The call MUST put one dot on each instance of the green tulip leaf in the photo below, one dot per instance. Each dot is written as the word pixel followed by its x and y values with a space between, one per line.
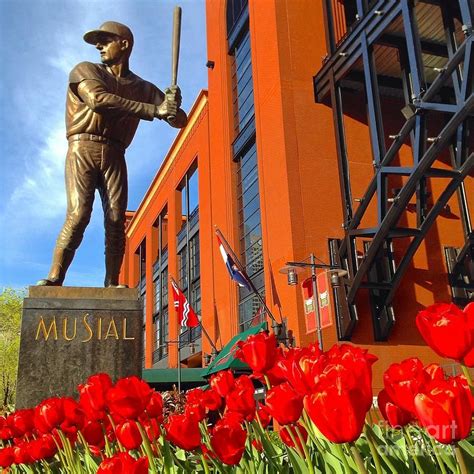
pixel 298 463
pixel 467 447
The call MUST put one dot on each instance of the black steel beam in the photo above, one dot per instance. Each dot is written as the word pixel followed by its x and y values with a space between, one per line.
pixel 427 47
pixel 372 187
pixel 427 223
pixel 372 25
pixel 406 193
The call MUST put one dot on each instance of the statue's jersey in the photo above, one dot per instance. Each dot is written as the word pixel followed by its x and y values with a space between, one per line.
pixel 107 105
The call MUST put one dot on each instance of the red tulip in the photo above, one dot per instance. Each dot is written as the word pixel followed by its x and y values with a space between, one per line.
pixel 74 417
pixel 22 454
pixel 435 372
pixel 128 434
pixel 212 400
pixel 338 411
pixel 152 428
pixel 469 357
pixel 49 414
pixel 123 463
pixel 447 330
pixel 21 422
pixel 42 448
pixel 259 351
pixel 444 409
pixel 93 434
pixel 92 396
pixel 129 397
pixel 404 381
pixel 195 410
pixel 154 409
pixel 235 416
pixel 286 437
pixel 292 365
pixel 241 398
pixel 183 431
pixel 397 417
pixel 356 363
pixel 195 404
pixel 284 404
pixel 7 457
pixel 222 382
pixel 228 441
pixel 463 381
pixel 6 433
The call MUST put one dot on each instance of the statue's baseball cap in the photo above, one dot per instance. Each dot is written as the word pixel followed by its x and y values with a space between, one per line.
pixel 109 28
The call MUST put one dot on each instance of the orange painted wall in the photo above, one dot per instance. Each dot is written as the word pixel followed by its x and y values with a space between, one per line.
pixel 299 184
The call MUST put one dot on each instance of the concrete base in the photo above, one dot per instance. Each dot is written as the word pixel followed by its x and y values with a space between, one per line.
pixel 68 334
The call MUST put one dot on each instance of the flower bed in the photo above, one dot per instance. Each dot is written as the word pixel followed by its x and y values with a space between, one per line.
pixel 321 402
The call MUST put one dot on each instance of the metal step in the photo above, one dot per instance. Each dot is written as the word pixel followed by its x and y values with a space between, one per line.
pixel 394 233
pixel 440 173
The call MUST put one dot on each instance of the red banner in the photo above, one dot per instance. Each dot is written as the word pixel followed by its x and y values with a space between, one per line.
pixel 324 299
pixel 324 302
pixel 308 302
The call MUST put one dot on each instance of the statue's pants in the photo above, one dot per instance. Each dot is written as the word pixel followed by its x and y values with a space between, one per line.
pixel 89 166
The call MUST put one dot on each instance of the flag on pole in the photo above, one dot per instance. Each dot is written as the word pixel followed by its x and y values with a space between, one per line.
pixel 258 317
pixel 186 315
pixel 237 274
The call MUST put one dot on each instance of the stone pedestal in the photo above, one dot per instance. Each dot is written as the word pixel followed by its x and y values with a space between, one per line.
pixel 68 334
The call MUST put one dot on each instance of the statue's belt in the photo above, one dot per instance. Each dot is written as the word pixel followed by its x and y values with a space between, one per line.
pixel 96 138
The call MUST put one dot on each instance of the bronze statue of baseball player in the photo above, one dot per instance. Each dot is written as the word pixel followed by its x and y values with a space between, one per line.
pixel 104 105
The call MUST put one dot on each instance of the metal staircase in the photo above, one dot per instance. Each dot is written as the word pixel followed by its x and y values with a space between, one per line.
pixel 448 96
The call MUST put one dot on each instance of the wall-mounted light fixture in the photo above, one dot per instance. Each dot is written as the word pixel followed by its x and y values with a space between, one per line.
pixel 291 274
pixel 210 64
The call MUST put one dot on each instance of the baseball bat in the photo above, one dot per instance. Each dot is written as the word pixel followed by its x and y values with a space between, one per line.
pixel 175 49
pixel 176 43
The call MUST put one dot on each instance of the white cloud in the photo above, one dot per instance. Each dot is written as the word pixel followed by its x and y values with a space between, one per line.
pixel 41 196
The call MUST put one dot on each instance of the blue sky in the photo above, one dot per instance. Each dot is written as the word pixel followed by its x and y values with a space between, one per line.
pixel 40 42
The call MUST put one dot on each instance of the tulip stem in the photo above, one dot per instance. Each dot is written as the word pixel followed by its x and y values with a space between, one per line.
pixel 305 449
pixel 358 459
pixel 467 374
pixel 414 456
pixel 460 459
pixel 438 458
pixel 112 423
pixel 204 464
pixel 148 450
pixel 297 446
pixel 308 424
pixel 342 455
pixel 267 382
pixel 373 450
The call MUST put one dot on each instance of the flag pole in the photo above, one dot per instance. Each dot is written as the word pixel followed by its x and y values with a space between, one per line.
pixel 242 269
pixel 179 365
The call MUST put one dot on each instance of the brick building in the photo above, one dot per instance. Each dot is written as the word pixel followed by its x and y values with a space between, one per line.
pixel 341 129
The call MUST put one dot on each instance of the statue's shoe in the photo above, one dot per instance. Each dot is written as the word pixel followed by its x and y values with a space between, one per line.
pixel 46 282
pixel 117 286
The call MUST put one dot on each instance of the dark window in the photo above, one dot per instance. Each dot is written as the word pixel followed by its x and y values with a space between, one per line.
pixel 242 83
pixel 189 273
pixel 250 233
pixel 234 11
pixel 160 291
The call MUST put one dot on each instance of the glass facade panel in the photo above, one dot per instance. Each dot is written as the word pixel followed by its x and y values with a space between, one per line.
pixel 243 93
pixel 188 253
pixel 247 166
pixel 160 292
